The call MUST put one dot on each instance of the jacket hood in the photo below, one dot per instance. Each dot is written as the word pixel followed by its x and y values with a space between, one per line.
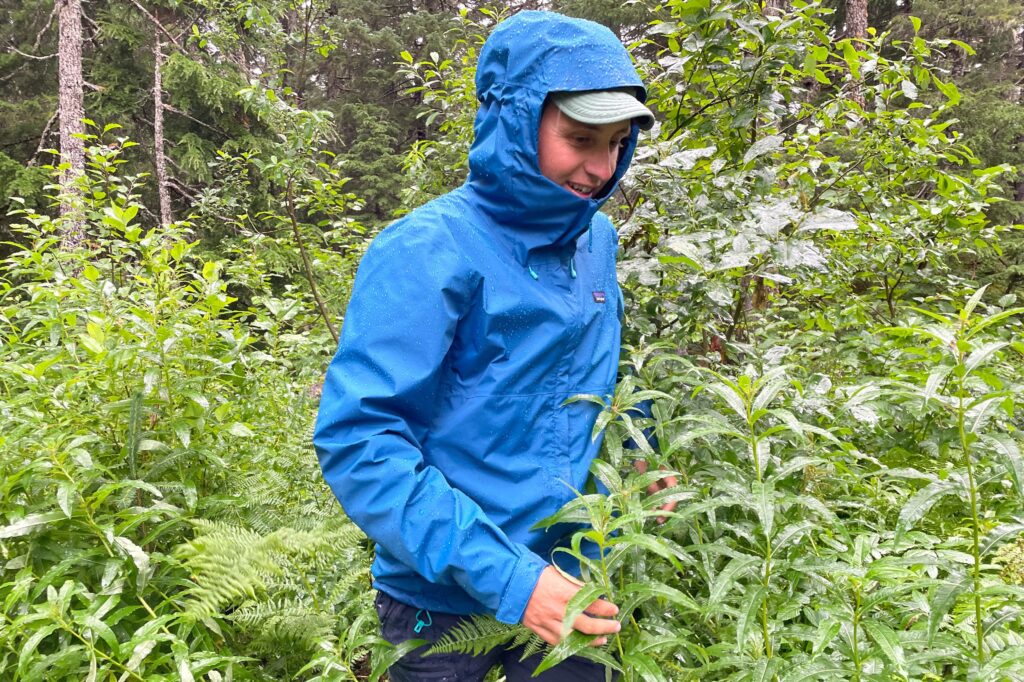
pixel 526 57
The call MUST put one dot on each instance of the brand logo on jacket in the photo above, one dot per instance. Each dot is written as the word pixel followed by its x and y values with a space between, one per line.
pixel 598 297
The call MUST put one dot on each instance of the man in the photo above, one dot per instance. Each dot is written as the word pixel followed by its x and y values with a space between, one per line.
pixel 443 429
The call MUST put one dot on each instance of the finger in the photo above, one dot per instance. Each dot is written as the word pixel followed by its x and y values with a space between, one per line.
pixel 600 641
pixel 596 626
pixel 602 608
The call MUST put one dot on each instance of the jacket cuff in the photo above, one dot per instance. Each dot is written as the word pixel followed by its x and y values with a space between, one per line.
pixel 520 588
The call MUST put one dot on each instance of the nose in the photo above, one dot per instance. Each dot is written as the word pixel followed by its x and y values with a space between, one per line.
pixel 600 164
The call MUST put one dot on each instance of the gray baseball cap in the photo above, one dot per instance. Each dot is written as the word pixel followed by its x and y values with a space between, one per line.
pixel 598 107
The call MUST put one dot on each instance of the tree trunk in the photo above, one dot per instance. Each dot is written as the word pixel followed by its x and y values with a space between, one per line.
pixel 856 19
pixel 775 8
pixel 856 28
pixel 72 111
pixel 158 135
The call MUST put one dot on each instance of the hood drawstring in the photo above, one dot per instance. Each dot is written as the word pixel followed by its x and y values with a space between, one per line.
pixel 590 237
pixel 572 266
pixel 533 273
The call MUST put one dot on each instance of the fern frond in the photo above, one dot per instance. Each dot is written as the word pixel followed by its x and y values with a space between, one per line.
pixel 530 641
pixel 476 636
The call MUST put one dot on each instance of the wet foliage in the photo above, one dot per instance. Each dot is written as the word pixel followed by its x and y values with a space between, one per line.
pixel 809 348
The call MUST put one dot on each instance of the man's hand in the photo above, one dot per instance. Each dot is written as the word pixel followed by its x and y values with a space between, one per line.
pixel 546 608
pixel 661 484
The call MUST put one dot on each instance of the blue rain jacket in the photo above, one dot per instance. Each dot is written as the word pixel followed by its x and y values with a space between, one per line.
pixel 442 428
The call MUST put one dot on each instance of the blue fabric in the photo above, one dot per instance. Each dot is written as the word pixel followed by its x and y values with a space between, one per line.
pixel 442 429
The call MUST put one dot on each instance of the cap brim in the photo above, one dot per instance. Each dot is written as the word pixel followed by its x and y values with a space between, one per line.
pixel 600 107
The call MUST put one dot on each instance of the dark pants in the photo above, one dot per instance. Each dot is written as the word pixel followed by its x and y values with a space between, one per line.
pixel 399 623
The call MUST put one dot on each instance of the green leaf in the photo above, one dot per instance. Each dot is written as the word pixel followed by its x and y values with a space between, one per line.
pixel 650 543
pixel 727 577
pixel 972 302
pixel 765 669
pixel 383 660
pixel 981 355
pixel 732 396
pixel 139 558
pixel 645 665
pixel 28 647
pixel 65 491
pixel 888 641
pixel 851 58
pixel 181 660
pixel 586 596
pixel 987 322
pixel 1010 656
pixel 828 628
pixel 640 592
pixel 753 600
pixel 922 501
pixel 1009 452
pixel 608 475
pixel 29 523
pixel 764 503
pixel 943 598
pixel 567 648
pixel 241 430
pixel 762 147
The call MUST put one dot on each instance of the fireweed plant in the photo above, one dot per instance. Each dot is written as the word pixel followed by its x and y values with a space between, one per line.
pixel 808 351
pixel 836 395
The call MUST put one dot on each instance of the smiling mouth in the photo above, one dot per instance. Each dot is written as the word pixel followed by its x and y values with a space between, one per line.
pixel 580 190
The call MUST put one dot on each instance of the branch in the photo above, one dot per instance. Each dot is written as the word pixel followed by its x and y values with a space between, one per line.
pixel 42 138
pixel 26 55
pixel 14 73
pixel 46 27
pixel 158 24
pixel 172 109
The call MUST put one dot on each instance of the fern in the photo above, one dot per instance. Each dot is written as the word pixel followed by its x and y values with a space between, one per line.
pixel 478 635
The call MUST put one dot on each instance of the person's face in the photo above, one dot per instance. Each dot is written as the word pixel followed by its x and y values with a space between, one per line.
pixel 577 156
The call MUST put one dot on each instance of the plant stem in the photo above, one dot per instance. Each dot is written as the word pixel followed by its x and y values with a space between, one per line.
pixel 305 263
pixel 975 525
pixel 856 646
pixel 764 604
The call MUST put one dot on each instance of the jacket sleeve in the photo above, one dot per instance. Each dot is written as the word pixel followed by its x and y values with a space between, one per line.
pixel 377 404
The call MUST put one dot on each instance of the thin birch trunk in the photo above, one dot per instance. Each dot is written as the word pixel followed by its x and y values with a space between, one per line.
pixel 158 135
pixel 72 111
pixel 857 29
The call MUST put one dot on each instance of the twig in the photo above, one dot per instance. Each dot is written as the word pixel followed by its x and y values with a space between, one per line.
pixel 158 24
pixel 42 138
pixel 179 112
pixel 26 55
pixel 45 28
pixel 305 262
pixel 14 73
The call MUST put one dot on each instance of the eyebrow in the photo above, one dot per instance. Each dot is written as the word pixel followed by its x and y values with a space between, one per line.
pixel 591 126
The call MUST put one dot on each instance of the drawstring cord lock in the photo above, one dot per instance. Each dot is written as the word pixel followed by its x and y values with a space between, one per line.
pixel 420 623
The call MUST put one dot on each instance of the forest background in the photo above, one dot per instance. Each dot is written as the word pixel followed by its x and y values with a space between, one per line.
pixel 821 259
